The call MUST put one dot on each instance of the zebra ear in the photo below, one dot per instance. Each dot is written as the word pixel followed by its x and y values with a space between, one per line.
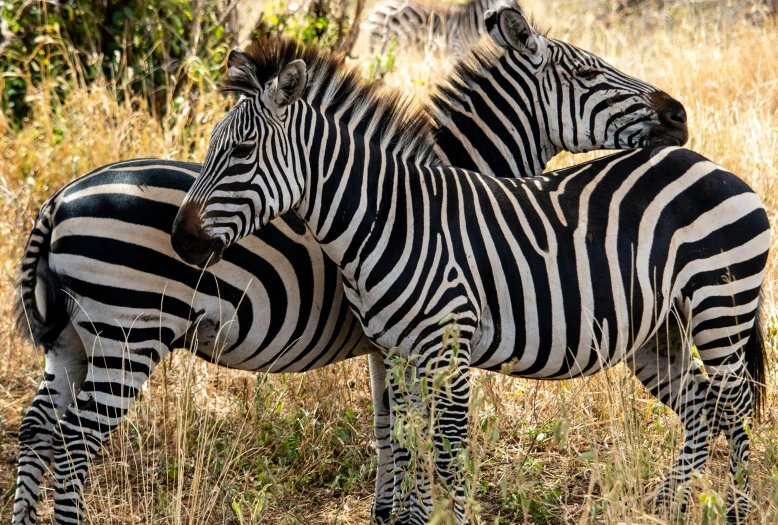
pixel 509 28
pixel 288 86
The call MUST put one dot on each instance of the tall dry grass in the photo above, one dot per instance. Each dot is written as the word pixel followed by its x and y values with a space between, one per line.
pixel 208 445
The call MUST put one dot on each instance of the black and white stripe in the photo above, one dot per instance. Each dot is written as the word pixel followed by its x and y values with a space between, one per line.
pixel 105 233
pixel 417 26
pixel 555 277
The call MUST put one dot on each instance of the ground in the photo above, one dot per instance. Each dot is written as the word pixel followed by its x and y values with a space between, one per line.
pixel 209 445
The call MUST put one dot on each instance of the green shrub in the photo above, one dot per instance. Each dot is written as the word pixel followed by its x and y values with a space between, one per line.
pixel 160 49
pixel 327 23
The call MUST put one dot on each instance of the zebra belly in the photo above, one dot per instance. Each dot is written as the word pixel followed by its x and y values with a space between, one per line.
pixel 538 353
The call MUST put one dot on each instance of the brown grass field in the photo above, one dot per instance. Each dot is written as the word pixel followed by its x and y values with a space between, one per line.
pixel 207 445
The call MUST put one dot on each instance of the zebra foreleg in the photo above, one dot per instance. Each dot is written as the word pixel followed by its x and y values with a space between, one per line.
pixel 116 372
pixel 63 376
pixel 441 395
pixel 665 367
pixel 452 404
pixel 382 500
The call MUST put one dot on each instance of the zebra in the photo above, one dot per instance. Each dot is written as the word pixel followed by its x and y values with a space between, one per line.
pixel 129 208
pixel 415 25
pixel 670 239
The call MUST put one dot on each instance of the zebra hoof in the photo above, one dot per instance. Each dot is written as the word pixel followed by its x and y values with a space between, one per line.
pixel 382 515
pixel 666 507
pixel 738 514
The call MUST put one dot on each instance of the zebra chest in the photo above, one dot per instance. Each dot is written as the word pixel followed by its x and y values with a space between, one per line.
pixel 205 336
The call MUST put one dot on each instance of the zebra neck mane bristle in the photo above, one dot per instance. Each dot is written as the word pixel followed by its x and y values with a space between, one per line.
pixel 398 121
pixel 449 94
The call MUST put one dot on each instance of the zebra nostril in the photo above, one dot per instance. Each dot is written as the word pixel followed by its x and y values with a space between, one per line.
pixel 187 235
pixel 184 243
pixel 670 111
pixel 674 113
pixel 678 118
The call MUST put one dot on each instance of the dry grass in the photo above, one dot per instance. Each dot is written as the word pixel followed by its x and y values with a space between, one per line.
pixel 207 445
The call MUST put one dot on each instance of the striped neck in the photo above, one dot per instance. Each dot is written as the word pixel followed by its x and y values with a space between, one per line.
pixel 489 119
pixel 349 167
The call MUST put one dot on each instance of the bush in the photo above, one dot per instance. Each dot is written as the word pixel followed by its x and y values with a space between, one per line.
pixel 158 48
pixel 326 23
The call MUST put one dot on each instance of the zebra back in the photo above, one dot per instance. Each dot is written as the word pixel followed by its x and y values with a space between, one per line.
pixel 415 24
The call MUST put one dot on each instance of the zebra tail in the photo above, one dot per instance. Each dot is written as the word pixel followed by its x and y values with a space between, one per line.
pixel 41 308
pixel 756 363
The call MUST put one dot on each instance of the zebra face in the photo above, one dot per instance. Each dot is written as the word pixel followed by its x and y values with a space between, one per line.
pixel 247 178
pixel 586 103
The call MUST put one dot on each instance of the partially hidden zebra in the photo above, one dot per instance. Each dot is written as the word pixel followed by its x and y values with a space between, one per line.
pixel 557 276
pixel 417 25
pixel 104 239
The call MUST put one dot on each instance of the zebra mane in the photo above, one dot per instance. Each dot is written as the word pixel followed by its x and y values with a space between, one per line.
pixel 449 94
pixel 397 120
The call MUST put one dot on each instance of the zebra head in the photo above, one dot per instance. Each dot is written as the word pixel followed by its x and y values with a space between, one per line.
pixel 248 177
pixel 586 104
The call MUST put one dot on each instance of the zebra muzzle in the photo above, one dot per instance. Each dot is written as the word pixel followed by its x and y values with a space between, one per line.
pixel 672 130
pixel 191 242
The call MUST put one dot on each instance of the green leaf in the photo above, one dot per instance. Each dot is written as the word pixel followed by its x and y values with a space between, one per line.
pixel 587 456
pixel 447 319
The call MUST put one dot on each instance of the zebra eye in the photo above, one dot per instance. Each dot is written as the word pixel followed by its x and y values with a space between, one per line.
pixel 243 151
pixel 587 73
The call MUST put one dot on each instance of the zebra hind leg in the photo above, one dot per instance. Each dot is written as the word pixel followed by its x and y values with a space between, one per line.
pixel 665 367
pixel 730 345
pixel 116 372
pixel 63 376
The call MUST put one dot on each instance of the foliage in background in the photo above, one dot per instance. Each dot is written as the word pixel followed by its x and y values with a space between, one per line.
pixel 160 49
pixel 326 23
pixel 755 10
pixel 381 65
